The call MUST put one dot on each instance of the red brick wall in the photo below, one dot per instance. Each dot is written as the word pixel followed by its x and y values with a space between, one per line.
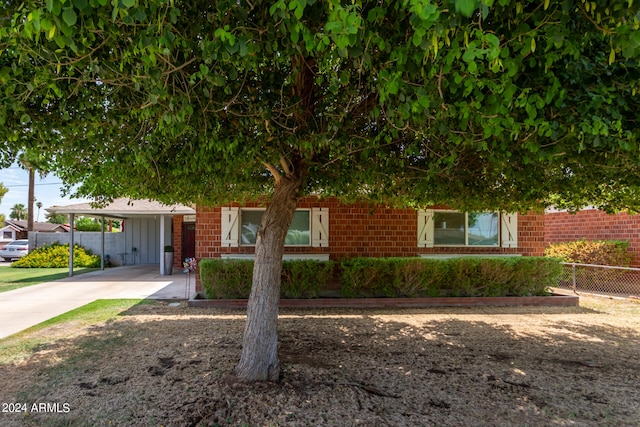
pixel 363 230
pixel 531 234
pixel 177 241
pixel 593 224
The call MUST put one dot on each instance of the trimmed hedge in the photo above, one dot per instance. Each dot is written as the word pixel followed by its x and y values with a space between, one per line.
pixel 597 252
pixel 231 279
pixel 56 255
pixel 453 277
pixel 392 277
pixel 226 279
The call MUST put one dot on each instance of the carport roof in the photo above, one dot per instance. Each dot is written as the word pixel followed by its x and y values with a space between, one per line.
pixel 123 208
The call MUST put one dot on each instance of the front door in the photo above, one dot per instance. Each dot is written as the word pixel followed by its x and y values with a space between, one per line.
pixel 188 240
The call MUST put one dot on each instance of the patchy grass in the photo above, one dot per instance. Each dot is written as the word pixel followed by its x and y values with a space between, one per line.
pixel 15 278
pixel 22 345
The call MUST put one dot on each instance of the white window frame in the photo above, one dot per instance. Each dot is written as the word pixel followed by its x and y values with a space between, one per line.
pixel 231 221
pixel 507 230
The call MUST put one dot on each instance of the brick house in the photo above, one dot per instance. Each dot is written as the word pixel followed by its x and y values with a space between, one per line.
pixel 328 229
pixel 593 224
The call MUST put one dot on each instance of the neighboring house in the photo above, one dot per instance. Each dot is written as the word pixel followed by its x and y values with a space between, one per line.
pixel 14 230
pixel 593 224
pixel 328 229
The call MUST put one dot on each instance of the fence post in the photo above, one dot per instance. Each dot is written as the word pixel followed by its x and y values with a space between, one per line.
pixel 573 277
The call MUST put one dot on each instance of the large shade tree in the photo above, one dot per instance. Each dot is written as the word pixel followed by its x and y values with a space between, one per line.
pixel 495 104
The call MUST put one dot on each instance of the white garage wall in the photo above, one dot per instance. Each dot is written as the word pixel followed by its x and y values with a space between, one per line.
pixel 142 233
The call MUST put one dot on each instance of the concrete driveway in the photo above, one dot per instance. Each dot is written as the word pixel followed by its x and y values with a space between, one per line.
pixel 25 307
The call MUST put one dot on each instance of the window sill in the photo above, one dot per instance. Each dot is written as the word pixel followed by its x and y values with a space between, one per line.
pixel 446 256
pixel 285 257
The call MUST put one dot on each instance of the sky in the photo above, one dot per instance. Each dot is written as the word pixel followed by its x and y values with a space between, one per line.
pixel 47 190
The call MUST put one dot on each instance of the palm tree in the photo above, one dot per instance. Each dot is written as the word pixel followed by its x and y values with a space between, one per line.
pixel 39 205
pixel 18 212
pixel 32 197
pixel 3 191
pixel 25 163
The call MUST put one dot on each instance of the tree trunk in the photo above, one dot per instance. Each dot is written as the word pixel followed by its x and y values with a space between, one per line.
pixel 259 359
pixel 32 199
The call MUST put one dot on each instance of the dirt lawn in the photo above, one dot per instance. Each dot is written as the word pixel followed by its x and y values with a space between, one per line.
pixel 157 365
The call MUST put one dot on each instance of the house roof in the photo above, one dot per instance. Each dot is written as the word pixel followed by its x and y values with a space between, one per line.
pixel 123 208
pixel 37 226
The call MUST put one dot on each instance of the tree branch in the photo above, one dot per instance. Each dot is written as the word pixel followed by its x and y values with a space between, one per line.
pixel 276 175
pixel 285 165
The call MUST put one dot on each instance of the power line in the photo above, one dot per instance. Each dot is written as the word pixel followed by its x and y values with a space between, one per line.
pixel 26 185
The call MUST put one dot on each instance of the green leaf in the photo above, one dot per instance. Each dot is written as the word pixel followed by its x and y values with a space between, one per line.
pixel 54 6
pixel 81 4
pixel 466 7
pixel 469 55
pixel 69 16
pixel 128 3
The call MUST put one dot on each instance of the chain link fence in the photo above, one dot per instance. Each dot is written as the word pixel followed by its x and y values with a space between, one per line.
pixel 601 279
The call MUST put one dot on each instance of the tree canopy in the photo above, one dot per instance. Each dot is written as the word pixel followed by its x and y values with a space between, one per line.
pixel 476 104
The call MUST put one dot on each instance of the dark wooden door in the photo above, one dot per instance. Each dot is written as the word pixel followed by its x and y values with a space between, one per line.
pixel 188 240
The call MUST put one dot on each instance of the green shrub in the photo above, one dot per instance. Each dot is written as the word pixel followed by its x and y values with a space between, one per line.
pixel 392 277
pixel 421 278
pixel 532 275
pixel 56 255
pixel 231 279
pixel 368 277
pixel 87 224
pixel 597 252
pixel 464 276
pixel 226 279
pixel 305 278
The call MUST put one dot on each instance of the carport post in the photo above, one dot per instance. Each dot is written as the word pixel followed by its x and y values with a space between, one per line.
pixel 102 243
pixel 71 243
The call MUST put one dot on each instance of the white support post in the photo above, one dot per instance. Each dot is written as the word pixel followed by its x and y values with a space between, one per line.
pixel 102 243
pixel 71 242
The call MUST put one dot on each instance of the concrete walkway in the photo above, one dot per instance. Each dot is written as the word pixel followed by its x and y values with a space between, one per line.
pixel 26 307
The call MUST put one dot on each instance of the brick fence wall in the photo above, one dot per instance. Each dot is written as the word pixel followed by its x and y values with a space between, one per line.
pixel 592 224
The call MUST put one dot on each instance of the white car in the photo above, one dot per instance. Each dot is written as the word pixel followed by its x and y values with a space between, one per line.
pixel 15 249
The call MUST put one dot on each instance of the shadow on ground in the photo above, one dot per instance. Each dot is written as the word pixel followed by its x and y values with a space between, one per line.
pixel 173 366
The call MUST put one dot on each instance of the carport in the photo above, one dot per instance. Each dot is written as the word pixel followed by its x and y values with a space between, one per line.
pixel 145 234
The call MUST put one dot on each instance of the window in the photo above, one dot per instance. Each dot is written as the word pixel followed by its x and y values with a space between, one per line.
pixel 7 235
pixel 477 229
pixel 299 233
pixel 465 229
pixel 308 227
